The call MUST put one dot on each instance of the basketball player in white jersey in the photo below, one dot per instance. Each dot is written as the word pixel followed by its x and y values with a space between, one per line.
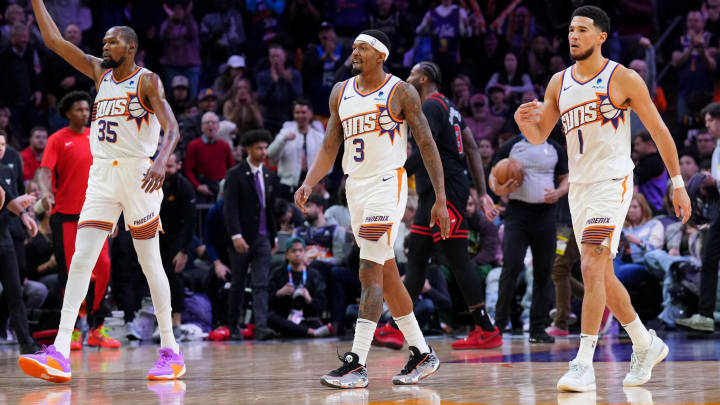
pixel 370 114
pixel 129 111
pixel 592 99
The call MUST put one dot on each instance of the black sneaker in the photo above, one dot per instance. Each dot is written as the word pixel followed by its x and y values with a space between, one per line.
pixel 541 337
pixel 351 374
pixel 419 366
pixel 262 334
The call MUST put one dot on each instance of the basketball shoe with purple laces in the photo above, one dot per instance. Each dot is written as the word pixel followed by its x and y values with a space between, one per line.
pixel 47 364
pixel 169 366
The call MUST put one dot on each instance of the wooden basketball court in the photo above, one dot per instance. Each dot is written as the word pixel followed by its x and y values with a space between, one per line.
pixel 288 373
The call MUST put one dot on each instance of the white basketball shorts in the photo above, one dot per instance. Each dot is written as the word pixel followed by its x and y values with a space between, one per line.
pixel 377 205
pixel 114 187
pixel 598 211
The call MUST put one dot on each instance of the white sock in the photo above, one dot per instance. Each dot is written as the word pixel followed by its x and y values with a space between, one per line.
pixel 587 348
pixel 409 327
pixel 148 252
pixel 88 243
pixel 364 331
pixel 640 336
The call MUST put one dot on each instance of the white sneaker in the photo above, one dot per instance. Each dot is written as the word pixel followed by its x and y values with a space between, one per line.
pixel 642 361
pixel 579 378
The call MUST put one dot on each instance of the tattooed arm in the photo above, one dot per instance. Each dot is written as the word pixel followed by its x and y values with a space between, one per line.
pixel 325 158
pixel 407 101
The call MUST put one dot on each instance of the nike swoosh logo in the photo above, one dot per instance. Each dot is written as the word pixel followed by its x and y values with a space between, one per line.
pixel 345 98
pixel 68 143
pixel 565 88
pixel 387 178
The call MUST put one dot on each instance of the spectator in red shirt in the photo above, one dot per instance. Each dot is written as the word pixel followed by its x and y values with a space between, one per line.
pixel 32 155
pixel 207 160
pixel 66 166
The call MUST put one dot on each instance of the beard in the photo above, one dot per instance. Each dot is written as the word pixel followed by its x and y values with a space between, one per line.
pixel 355 71
pixel 111 64
pixel 582 56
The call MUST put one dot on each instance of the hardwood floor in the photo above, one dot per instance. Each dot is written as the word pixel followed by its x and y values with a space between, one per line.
pixel 288 373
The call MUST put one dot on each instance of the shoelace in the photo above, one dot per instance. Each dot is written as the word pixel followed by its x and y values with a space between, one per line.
pixel 636 359
pixel 164 359
pixel 412 363
pixel 46 350
pixel 103 331
pixel 347 366
pixel 576 368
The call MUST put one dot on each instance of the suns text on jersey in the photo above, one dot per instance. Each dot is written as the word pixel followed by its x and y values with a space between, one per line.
pixel 110 108
pixel 581 114
pixel 360 124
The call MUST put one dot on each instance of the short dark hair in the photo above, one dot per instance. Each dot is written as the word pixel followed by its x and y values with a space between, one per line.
pixel 317 199
pixel 713 109
pixel 380 36
pixel 127 34
pixel 431 71
pixel 254 136
pixel 599 17
pixel 691 154
pixel 302 101
pixel 37 128
pixel 71 98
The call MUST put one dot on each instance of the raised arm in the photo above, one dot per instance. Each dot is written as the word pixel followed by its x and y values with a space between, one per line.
pixel 632 90
pixel 86 64
pixel 152 94
pixel 408 101
pixel 325 157
pixel 536 119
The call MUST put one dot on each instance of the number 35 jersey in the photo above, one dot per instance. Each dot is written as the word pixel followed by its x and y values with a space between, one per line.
pixel 596 127
pixel 375 139
pixel 122 125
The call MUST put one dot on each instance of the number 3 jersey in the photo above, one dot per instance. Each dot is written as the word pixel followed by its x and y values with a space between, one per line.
pixel 375 139
pixel 123 125
pixel 596 127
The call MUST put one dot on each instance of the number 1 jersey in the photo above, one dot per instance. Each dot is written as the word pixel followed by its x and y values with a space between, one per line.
pixel 122 125
pixel 375 139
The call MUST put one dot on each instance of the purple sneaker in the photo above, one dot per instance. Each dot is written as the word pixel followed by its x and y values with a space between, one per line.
pixel 168 366
pixel 47 364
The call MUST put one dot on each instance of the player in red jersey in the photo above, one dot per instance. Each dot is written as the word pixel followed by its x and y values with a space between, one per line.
pixel 63 179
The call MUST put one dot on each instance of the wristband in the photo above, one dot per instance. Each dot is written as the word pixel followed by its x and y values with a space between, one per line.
pixel 677 181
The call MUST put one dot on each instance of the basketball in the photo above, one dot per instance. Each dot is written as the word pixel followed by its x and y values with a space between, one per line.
pixel 386 122
pixel 136 109
pixel 608 110
pixel 508 169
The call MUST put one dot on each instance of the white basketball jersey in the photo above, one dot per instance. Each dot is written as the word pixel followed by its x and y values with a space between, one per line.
pixel 375 139
pixel 122 125
pixel 596 129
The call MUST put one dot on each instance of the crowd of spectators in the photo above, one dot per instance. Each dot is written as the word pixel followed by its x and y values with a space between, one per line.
pixel 249 83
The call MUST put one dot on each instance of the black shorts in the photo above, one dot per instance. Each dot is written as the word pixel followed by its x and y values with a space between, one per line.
pixel 457 198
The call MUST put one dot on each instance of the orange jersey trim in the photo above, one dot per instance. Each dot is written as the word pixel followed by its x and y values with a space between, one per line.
pixel 342 91
pixel 572 72
pixel 127 77
pixel 140 99
pixel 372 91
pixel 389 104
pixel 610 82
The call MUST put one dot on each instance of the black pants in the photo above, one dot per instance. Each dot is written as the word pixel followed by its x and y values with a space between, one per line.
pixel 455 249
pixel 128 280
pixel 420 249
pixel 709 275
pixel 259 256
pixel 527 225
pixel 168 251
pixel 13 291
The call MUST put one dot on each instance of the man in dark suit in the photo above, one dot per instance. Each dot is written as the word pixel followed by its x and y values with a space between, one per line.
pixel 249 191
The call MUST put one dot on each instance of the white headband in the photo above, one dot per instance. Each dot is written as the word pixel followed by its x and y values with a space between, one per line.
pixel 375 43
